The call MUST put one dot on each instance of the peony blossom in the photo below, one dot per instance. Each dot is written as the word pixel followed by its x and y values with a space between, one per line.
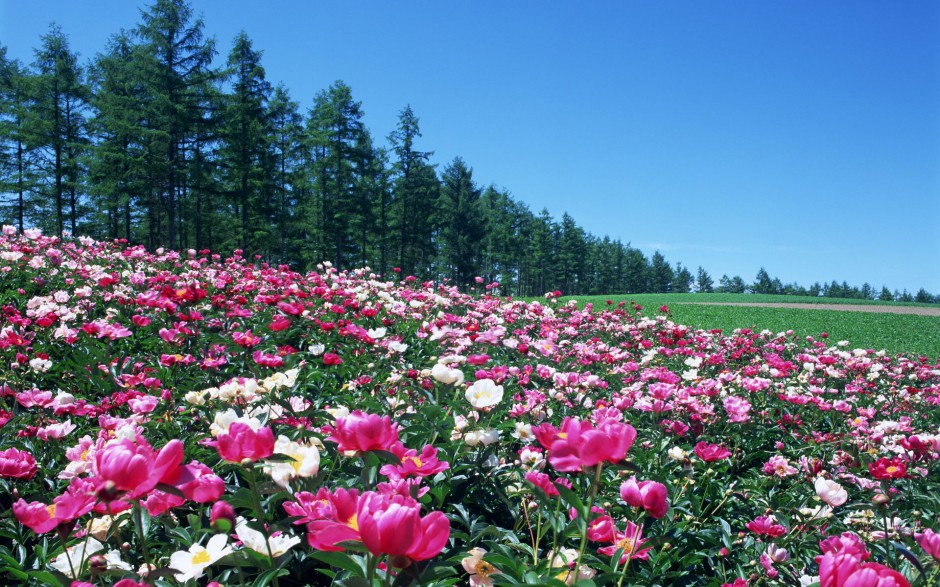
pixel 711 452
pixel 278 543
pixel 830 492
pixel 192 563
pixel 478 569
pixel 17 464
pixel 242 442
pixel 413 464
pixel 884 468
pixel 361 432
pixel 305 461
pixel 930 542
pixel 579 445
pixel 484 394
pixel 649 495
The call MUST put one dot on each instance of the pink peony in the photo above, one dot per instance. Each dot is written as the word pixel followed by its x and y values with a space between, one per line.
pixel 17 464
pixel 579 445
pixel 360 432
pixel 711 452
pixel 649 495
pixel 242 442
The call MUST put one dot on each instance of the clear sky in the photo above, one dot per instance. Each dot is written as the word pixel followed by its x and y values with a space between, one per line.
pixel 801 136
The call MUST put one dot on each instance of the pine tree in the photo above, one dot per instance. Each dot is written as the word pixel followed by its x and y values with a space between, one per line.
pixel 704 281
pixel 886 295
pixel 463 223
pixel 116 162
pixel 55 126
pixel 415 190
pixel 16 154
pixel 287 150
pixel 175 66
pixel 682 280
pixel 244 149
pixel 340 149
pixel 661 274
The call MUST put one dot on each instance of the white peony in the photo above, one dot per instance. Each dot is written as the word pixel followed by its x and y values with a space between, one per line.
pixel 484 394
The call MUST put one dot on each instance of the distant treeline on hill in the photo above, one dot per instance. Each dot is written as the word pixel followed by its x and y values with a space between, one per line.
pixel 155 143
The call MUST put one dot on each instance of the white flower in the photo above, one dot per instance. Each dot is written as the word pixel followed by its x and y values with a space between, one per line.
pixel 40 365
pixel 484 437
pixel 376 332
pixel 223 420
pixel 397 347
pixel 77 555
pixel 446 375
pixel 484 394
pixel 255 540
pixel 190 564
pixel 305 461
pixel 830 492
pixel 523 432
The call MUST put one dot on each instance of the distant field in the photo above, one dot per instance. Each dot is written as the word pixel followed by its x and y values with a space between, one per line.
pixel 660 299
pixel 896 333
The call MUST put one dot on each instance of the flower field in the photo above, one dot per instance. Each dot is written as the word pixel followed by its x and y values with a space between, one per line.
pixel 184 418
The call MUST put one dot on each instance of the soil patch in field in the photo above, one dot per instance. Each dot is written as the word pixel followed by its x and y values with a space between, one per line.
pixel 917 310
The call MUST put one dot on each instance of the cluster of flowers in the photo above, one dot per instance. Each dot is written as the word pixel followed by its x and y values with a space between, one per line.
pixel 360 428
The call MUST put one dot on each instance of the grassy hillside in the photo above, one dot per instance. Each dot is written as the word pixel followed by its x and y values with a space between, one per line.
pixel 895 333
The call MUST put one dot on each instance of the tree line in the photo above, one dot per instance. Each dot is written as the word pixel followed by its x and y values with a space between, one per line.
pixel 154 143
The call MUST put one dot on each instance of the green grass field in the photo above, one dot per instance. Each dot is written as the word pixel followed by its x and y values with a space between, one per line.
pixel 896 333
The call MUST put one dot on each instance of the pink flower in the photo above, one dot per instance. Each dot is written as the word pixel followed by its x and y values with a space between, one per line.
pixel 649 495
pixel 78 500
pixel 766 526
pixel 845 542
pixel 629 541
pixel 134 467
pixel 242 442
pixel 393 526
pixel 331 359
pixel 360 432
pixel 930 542
pixel 579 445
pixel 17 464
pixel 830 492
pixel 845 569
pixel 884 468
pixel 413 464
pixel 544 482
pixel 711 452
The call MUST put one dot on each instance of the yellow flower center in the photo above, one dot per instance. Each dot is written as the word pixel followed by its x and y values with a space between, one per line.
pixel 892 469
pixel 563 435
pixel 626 544
pixel 51 510
pixel 484 569
pixel 296 464
pixel 353 522
pixel 415 460
pixel 201 557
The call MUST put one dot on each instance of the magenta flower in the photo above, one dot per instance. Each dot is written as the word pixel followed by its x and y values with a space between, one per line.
pixel 17 464
pixel 649 495
pixel 134 467
pixel 711 452
pixel 361 432
pixel 930 542
pixel 579 445
pixel 242 442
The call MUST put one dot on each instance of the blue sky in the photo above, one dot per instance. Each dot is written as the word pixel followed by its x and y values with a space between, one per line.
pixel 799 136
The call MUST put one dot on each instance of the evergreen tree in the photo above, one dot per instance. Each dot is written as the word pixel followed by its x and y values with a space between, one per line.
pixel 176 67
pixel 116 162
pixel 244 150
pixel 682 280
pixel 463 223
pixel 636 272
pixel 55 127
pixel 763 284
pixel 704 281
pixel 287 152
pixel 415 192
pixel 886 295
pixel 661 274
pixel 16 155
pixel 340 149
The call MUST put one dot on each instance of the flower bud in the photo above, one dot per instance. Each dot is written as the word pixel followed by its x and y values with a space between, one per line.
pixel 222 517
